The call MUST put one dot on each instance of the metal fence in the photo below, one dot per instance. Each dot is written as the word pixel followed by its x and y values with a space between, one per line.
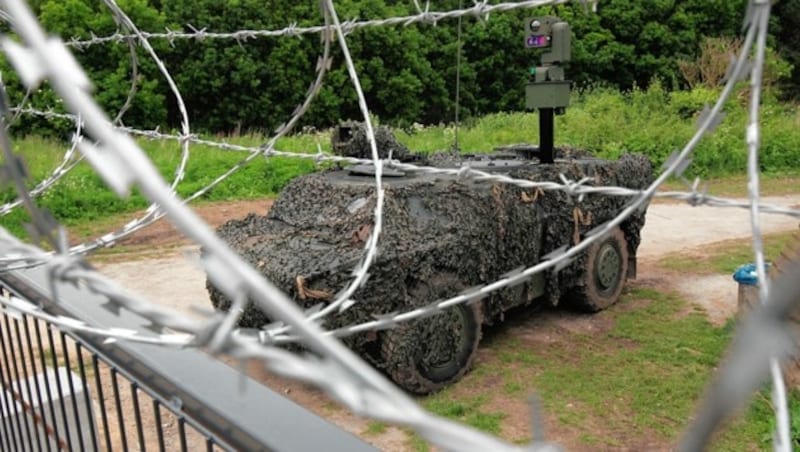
pixel 69 391
pixel 58 393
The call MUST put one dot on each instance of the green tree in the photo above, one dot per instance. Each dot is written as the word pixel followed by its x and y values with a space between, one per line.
pixel 787 36
pixel 408 73
pixel 252 84
pixel 110 66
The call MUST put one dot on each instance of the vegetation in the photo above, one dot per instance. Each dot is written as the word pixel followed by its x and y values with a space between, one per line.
pixel 466 410
pixel 408 73
pixel 81 198
pixel 375 428
pixel 634 385
pixel 650 121
pixel 654 122
pixel 725 257
pixel 644 70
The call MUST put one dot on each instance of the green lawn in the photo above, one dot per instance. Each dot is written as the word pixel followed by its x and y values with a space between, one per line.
pixel 726 256
pixel 634 381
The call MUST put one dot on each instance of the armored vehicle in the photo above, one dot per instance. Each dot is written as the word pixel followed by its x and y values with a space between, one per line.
pixel 441 236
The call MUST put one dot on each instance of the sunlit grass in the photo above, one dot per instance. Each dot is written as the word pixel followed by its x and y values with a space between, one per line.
pixel 726 256
pixel 644 376
pixel 604 122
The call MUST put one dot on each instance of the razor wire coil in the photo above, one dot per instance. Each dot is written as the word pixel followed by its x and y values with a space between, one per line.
pixel 360 388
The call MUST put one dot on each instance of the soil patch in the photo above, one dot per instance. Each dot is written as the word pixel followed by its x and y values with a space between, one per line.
pixel 214 214
pixel 162 238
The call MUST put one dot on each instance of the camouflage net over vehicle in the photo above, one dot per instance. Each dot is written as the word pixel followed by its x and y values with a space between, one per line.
pixel 350 140
pixel 475 232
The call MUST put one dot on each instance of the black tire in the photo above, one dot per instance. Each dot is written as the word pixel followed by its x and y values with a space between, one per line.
pixel 426 355
pixel 604 274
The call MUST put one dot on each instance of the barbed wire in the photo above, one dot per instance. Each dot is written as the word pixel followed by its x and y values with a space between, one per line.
pixel 360 274
pixel 760 20
pixel 768 332
pixel 153 213
pixel 67 163
pixel 16 307
pixel 89 149
pixel 216 334
pixel 481 10
pixel 360 387
pixel 698 193
pixel 49 60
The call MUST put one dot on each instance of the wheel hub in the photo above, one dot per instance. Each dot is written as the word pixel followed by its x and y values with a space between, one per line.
pixel 443 341
pixel 609 264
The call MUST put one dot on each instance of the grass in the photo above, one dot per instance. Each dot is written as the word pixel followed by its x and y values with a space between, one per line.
pixel 468 411
pixel 651 364
pixel 726 256
pixel 735 185
pixel 643 377
pixel 375 428
pixel 653 122
pixel 81 200
pixel 416 443
pixel 635 384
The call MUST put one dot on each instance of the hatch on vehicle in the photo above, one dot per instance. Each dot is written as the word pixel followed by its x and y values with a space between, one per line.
pixel 494 164
pixel 369 170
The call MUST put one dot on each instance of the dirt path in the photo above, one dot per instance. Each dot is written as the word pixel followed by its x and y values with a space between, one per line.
pixel 673 227
pixel 173 279
pixel 680 227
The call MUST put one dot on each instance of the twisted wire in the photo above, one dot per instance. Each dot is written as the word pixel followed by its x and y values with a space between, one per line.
pixel 221 261
pixel 761 15
pixel 339 372
pixel 153 213
pixel 481 10
pixel 68 162
pixel 697 194
pixel 772 351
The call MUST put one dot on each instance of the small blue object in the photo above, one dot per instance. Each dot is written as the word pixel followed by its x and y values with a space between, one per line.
pixel 747 275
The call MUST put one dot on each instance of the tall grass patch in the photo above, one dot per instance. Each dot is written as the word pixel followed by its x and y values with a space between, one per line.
pixel 652 121
pixel 82 196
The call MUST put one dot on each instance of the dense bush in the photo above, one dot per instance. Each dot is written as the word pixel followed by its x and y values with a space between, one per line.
pixel 408 72
pixel 787 34
pixel 110 67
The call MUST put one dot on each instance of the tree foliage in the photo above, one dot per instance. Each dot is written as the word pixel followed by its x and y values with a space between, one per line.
pixel 787 34
pixel 408 72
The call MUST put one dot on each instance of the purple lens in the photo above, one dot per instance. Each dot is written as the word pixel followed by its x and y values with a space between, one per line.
pixel 537 41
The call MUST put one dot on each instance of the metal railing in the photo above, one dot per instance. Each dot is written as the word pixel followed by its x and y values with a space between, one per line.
pixel 58 393
pixel 63 390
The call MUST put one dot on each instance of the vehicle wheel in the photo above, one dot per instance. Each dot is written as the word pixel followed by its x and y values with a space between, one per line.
pixel 604 275
pixel 426 355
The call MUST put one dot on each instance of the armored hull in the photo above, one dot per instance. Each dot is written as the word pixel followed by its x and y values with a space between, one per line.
pixel 441 235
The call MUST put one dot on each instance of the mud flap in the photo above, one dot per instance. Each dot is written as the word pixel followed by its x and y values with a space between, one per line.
pixel 631 268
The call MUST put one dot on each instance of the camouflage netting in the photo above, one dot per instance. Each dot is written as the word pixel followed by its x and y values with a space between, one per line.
pixel 314 235
pixel 350 140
